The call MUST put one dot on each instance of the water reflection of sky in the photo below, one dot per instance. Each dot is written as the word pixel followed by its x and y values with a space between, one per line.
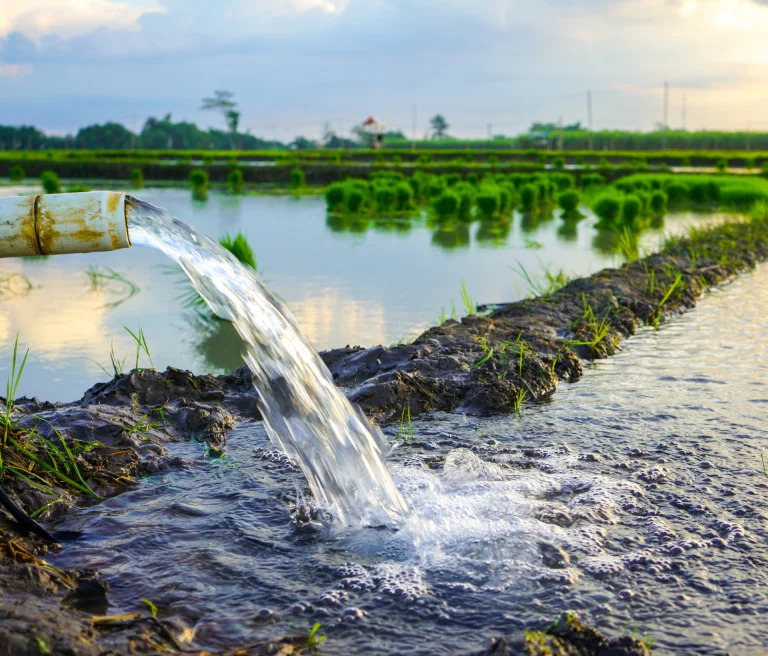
pixel 348 281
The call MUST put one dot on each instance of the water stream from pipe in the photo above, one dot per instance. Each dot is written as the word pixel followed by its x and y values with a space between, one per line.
pixel 339 451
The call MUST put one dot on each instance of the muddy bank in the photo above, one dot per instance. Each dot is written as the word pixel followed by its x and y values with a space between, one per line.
pixel 119 431
pixel 129 426
pixel 520 352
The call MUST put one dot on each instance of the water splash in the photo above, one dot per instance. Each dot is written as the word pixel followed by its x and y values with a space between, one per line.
pixel 339 451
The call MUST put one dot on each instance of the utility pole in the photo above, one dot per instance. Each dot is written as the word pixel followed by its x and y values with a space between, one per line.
pixel 666 112
pixel 589 116
pixel 413 128
pixel 685 110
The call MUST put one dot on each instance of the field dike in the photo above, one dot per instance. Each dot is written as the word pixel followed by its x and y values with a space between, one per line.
pixel 125 428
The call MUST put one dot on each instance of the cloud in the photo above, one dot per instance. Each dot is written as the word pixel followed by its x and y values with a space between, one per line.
pixel 299 63
pixel 36 18
pixel 14 70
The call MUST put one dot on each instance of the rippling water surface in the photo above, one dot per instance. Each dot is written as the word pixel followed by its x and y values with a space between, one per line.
pixel 635 497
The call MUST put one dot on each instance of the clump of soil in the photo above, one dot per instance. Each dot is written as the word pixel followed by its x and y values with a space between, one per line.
pixel 568 637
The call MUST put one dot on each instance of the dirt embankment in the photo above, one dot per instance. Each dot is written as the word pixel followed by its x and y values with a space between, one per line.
pixel 520 352
pixel 122 429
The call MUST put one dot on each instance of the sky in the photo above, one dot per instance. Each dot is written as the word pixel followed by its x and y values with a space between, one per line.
pixel 295 66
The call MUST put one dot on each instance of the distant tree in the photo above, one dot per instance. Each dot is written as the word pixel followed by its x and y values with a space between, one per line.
pixel 328 133
pixel 302 143
pixel 164 133
pixel 223 102
pixel 109 135
pixel 554 127
pixel 336 142
pixel 439 126
pixel 233 119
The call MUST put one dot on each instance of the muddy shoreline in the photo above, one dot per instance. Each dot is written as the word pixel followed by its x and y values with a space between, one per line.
pixel 484 364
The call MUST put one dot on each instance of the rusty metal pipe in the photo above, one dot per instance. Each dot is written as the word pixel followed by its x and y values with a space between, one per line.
pixel 53 224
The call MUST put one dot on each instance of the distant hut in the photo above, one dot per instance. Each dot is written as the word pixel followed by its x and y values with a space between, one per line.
pixel 374 131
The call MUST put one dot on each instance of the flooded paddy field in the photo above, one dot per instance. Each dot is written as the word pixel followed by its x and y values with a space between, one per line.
pixel 361 281
pixel 631 498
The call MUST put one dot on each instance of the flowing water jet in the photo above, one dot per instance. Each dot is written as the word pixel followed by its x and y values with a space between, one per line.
pixel 340 452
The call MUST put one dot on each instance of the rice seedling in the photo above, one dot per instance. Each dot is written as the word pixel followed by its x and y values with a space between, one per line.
pixel 235 181
pixel 488 201
pixel 591 179
pixel 16 174
pixel 548 283
pixel 529 198
pixel 403 340
pixel 405 431
pixel 334 196
pixel 102 278
pixel 77 189
pixel 628 244
pixel 668 291
pixel 469 305
pixel 298 179
pixel 446 205
pixel 532 244
pixel 658 203
pixel 117 364
pixel 141 345
pixel 50 182
pixel 607 207
pixel 46 464
pixel 137 179
pixel 648 640
pixel 404 196
pixel 240 248
pixel 631 209
pixel 517 402
pixel 152 608
pixel 314 640
pixel 199 180
pixel 354 200
pixel 598 329
pixel 141 428
pixel 569 203
pixel 563 181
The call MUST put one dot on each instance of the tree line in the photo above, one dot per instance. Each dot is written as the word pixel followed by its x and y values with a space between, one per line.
pixel 163 133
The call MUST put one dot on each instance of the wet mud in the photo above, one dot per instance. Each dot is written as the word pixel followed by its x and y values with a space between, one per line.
pixel 495 363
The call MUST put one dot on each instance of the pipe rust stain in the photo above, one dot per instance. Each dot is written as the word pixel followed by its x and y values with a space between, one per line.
pixel 60 228
pixel 17 230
